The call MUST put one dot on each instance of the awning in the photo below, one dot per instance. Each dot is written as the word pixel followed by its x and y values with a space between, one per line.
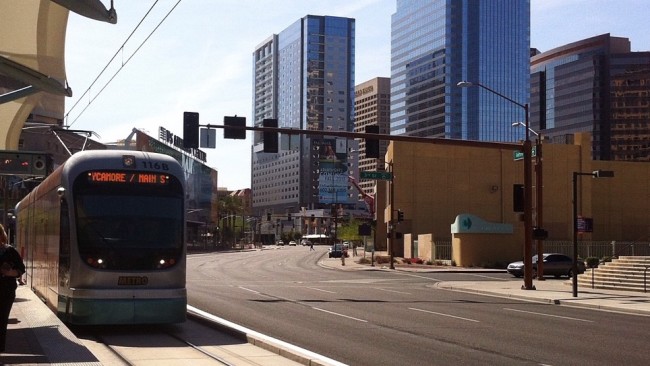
pixel 32 69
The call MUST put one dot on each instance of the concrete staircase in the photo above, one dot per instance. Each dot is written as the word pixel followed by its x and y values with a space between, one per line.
pixel 625 273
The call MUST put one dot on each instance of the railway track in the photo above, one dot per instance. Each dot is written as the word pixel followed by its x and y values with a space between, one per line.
pixel 189 343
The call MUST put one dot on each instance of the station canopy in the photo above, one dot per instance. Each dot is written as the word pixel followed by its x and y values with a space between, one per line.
pixel 32 50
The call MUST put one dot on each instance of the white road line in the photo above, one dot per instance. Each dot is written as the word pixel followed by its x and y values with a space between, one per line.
pixel 339 314
pixel 447 315
pixel 247 289
pixel 318 289
pixel 397 292
pixel 550 315
pixel 486 276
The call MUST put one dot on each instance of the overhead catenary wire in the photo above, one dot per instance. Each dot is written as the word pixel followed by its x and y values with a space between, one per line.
pixel 124 62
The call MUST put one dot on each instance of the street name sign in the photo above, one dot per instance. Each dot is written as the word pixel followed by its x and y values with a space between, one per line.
pixel 376 175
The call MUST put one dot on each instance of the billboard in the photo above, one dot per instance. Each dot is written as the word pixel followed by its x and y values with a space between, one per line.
pixel 333 170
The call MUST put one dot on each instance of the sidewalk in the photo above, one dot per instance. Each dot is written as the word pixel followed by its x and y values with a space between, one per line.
pixel 551 291
pixel 36 336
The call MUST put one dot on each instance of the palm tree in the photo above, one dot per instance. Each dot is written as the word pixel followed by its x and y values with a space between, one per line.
pixel 229 208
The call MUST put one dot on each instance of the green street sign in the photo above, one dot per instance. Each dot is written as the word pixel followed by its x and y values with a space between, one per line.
pixel 518 155
pixel 376 175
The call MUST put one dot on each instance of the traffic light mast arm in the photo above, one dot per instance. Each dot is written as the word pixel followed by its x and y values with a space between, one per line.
pixel 361 135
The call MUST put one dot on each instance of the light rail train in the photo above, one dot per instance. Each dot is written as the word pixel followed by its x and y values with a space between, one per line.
pixel 103 238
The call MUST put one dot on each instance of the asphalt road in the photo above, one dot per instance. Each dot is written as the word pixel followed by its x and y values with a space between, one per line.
pixel 389 317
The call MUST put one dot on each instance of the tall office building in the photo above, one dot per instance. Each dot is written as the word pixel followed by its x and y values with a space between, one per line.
pixel 304 78
pixel 595 85
pixel 372 108
pixel 436 44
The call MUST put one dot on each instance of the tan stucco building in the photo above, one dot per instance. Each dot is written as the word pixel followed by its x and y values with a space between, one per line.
pixel 436 183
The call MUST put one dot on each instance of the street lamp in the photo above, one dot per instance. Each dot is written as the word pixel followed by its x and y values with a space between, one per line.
pixel 539 217
pixel 528 206
pixel 574 268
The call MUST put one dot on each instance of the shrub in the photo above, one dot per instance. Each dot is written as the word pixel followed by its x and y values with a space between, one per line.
pixel 364 260
pixel 592 262
pixel 381 259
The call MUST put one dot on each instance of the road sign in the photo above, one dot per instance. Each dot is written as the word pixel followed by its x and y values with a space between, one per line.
pixel 375 175
pixel 518 155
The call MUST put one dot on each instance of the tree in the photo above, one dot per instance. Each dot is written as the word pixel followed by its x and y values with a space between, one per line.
pixel 230 208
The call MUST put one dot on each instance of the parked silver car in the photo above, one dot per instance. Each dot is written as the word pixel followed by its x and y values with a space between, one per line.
pixel 555 264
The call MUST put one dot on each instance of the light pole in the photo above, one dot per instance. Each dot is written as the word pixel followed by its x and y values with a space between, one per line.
pixel 528 206
pixel 539 207
pixel 391 247
pixel 574 268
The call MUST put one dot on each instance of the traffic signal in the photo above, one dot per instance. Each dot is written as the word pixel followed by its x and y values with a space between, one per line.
pixel 518 197
pixel 268 216
pixel 372 144
pixel 365 229
pixel 234 133
pixel 270 139
pixel 400 215
pixel 190 130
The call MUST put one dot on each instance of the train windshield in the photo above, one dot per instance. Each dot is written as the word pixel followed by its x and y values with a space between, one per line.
pixel 129 226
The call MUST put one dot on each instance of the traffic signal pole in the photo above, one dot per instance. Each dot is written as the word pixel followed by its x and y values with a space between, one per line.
pixel 391 248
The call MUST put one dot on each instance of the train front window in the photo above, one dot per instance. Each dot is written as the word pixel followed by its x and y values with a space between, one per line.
pixel 129 227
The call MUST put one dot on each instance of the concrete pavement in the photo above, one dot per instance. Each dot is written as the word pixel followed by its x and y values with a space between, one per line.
pixel 37 336
pixel 553 291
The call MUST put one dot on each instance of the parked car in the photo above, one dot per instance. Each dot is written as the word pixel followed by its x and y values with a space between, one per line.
pixel 292 243
pixel 280 242
pixel 555 264
pixel 337 251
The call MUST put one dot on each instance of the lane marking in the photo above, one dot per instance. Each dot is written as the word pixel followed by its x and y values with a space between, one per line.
pixel 418 276
pixel 447 315
pixel 268 341
pixel 318 289
pixel 397 292
pixel 486 276
pixel 339 314
pixel 549 315
pixel 247 289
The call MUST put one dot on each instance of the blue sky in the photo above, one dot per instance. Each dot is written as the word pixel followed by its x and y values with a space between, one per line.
pixel 200 59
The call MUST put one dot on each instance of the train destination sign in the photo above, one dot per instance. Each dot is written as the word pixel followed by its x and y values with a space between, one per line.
pixel 128 177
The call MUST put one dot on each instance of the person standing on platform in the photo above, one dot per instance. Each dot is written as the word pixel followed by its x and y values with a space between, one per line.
pixel 11 268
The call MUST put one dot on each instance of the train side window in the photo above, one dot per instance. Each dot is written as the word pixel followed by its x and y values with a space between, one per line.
pixel 64 244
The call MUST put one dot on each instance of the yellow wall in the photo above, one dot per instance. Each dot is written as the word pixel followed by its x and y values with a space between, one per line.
pixel 434 183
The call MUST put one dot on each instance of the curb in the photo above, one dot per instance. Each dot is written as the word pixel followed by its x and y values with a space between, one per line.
pixel 284 349
pixel 450 287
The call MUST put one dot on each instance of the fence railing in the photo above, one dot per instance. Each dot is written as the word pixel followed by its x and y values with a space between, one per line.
pixel 442 249
pixel 586 248
pixel 599 249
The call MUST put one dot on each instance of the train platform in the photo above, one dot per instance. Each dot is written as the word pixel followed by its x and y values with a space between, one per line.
pixel 36 336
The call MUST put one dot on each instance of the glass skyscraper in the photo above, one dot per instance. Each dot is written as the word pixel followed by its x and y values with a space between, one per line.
pixel 304 77
pixel 436 44
pixel 594 85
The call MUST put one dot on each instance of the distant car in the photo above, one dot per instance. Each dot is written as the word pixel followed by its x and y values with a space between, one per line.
pixel 280 242
pixel 293 243
pixel 305 242
pixel 555 264
pixel 337 251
